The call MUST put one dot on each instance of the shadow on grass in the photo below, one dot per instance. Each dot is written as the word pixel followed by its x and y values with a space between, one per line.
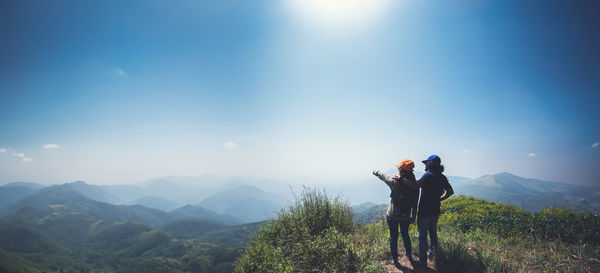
pixel 454 257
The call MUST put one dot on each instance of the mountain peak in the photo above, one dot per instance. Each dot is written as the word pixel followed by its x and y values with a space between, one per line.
pixel 77 183
pixel 505 174
pixel 30 185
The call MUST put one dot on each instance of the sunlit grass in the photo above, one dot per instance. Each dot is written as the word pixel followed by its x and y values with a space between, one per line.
pixel 317 235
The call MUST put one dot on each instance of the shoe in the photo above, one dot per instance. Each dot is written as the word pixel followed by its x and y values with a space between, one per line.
pixel 430 253
pixel 422 264
pixel 397 265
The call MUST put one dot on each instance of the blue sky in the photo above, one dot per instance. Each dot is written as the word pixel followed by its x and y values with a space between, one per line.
pixel 131 90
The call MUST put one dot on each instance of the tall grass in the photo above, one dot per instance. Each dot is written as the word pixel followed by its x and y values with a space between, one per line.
pixel 316 234
pixel 469 213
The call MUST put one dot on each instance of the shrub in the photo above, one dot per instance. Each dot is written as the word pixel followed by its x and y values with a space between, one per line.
pixel 468 213
pixel 314 235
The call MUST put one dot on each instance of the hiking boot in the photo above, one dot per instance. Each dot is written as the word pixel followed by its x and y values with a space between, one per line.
pixel 410 258
pixel 422 264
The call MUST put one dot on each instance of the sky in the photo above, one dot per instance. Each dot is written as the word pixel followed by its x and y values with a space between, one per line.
pixel 117 92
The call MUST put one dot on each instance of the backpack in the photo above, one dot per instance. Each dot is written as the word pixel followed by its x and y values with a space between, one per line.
pixel 403 207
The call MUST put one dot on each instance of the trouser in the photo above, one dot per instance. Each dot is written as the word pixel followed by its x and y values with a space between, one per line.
pixel 393 225
pixel 427 224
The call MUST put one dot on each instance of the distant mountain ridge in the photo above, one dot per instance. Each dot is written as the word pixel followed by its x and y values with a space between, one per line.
pixel 531 194
pixel 200 213
pixel 527 193
pixel 58 228
pixel 262 198
pixel 247 203
pixel 65 199
pixel 31 185
pixel 231 204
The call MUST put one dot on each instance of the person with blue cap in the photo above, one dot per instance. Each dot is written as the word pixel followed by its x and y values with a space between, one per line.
pixel 434 188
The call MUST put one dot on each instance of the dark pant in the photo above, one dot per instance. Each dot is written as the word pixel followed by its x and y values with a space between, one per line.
pixel 393 225
pixel 427 224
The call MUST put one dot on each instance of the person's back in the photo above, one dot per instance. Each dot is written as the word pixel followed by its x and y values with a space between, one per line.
pixel 402 208
pixel 434 188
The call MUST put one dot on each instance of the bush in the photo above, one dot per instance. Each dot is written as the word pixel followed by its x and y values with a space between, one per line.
pixel 468 213
pixel 314 235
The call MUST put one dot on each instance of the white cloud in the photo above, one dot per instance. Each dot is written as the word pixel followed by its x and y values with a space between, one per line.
pixel 51 146
pixel 24 159
pixel 465 150
pixel 3 150
pixel 120 72
pixel 595 145
pixel 532 155
pixel 230 145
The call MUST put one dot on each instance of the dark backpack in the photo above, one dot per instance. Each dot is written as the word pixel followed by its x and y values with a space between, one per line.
pixel 403 206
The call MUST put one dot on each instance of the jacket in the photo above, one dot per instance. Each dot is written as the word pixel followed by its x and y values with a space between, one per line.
pixel 433 185
pixel 401 186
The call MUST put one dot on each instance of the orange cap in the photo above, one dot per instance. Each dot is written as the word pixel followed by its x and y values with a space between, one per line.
pixel 406 164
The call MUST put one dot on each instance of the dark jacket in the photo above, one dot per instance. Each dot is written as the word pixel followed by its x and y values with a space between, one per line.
pixel 401 186
pixel 433 185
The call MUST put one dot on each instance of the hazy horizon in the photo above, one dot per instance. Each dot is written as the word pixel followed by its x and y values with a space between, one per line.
pixel 291 181
pixel 119 92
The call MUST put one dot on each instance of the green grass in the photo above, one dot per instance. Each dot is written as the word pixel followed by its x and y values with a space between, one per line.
pixel 314 235
pixel 475 235
pixel 480 236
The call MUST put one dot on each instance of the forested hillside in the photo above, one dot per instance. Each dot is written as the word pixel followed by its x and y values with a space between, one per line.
pixel 59 230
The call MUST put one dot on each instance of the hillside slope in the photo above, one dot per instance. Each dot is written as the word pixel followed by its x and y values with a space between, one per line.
pixel 59 230
pixel 475 236
pixel 246 203
pixel 532 194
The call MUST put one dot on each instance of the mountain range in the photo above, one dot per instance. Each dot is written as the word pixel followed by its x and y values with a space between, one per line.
pixel 229 200
pixel 60 229
pixel 178 224
pixel 531 194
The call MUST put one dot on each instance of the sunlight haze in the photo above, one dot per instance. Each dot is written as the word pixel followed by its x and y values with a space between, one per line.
pixel 119 92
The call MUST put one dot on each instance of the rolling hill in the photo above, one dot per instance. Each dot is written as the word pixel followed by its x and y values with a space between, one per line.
pixel 156 203
pixel 531 194
pixel 246 203
pixel 64 199
pixel 200 213
pixel 57 229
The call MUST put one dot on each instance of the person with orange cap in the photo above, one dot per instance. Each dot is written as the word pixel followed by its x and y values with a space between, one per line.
pixel 402 209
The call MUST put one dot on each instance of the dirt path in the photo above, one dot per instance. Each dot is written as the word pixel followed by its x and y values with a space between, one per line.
pixel 406 266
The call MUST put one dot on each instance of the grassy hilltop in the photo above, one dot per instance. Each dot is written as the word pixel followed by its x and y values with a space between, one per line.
pixel 317 235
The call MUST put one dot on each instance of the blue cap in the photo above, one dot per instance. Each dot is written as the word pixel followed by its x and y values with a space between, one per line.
pixel 434 158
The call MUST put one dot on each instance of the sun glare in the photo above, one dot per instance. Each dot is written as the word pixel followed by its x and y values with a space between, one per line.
pixel 338 14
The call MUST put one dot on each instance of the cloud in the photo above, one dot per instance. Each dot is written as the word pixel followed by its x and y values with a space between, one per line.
pixel 532 155
pixel 120 72
pixel 230 145
pixel 51 146
pixel 3 150
pixel 595 145
pixel 465 150
pixel 24 159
